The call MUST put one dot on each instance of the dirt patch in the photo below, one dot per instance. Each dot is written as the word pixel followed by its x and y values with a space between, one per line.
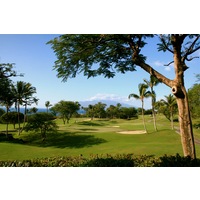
pixel 132 132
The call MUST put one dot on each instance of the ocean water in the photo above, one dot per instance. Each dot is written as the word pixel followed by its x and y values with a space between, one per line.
pixel 81 111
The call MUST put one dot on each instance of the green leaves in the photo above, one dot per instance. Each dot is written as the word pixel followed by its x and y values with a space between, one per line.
pixel 66 109
pixel 95 55
pixel 119 160
pixel 42 122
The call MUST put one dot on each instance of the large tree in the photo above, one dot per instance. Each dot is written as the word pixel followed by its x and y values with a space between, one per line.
pixel 6 96
pixel 6 71
pixel 66 109
pixel 43 122
pixel 121 53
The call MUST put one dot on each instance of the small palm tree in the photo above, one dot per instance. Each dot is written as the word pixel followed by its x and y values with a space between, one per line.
pixel 151 83
pixel 48 104
pixel 143 93
pixel 170 103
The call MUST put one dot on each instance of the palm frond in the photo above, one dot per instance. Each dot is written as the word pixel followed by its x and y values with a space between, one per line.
pixel 134 96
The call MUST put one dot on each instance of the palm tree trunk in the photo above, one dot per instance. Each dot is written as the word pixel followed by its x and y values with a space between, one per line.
pixel 18 110
pixel 154 115
pixel 7 122
pixel 25 114
pixel 143 116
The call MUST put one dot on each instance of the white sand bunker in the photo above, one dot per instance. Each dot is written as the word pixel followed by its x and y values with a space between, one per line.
pixel 132 132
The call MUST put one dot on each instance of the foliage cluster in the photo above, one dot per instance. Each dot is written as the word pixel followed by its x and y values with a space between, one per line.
pixel 194 100
pixel 120 160
pixel 65 109
pixel 99 110
pixel 12 118
pixel 42 122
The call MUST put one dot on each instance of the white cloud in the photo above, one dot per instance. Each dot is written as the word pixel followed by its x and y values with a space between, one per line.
pixel 161 64
pixel 167 68
pixel 119 99
pixel 158 63
pixel 111 97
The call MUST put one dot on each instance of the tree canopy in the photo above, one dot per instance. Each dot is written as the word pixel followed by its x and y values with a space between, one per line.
pixel 66 109
pixel 78 53
pixel 115 53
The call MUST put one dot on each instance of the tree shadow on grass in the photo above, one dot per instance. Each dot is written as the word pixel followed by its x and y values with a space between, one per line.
pixel 90 123
pixel 63 140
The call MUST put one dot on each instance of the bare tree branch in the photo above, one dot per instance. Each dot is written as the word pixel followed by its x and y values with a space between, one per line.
pixel 189 59
pixel 169 63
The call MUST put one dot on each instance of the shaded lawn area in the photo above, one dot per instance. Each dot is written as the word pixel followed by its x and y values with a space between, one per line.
pixel 63 140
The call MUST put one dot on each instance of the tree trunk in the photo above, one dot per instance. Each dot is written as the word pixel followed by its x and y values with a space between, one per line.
pixel 18 110
pixel 153 110
pixel 25 115
pixel 143 116
pixel 7 121
pixel 178 89
pixel 154 118
pixel 185 123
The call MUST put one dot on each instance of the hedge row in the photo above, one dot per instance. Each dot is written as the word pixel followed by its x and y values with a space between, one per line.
pixel 125 160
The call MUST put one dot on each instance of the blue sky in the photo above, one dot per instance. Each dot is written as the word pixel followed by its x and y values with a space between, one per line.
pixel 36 59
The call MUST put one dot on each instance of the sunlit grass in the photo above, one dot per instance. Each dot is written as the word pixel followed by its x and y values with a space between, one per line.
pixel 86 137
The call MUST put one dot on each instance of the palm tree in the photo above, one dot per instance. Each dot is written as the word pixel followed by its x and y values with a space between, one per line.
pixel 23 96
pixel 33 110
pixel 48 104
pixel 151 83
pixel 143 93
pixel 170 103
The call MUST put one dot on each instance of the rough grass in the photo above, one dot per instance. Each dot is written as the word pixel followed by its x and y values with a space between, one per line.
pixel 84 137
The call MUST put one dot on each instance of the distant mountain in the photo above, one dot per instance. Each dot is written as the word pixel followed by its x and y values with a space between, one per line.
pixel 107 102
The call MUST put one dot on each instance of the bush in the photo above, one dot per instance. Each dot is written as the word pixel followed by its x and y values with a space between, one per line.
pixel 12 118
pixel 124 160
pixel 177 161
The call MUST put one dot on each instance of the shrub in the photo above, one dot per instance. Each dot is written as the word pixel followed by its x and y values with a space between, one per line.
pixel 177 161
pixel 12 118
pixel 120 160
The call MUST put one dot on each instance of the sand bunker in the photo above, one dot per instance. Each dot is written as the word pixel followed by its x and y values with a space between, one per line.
pixel 132 132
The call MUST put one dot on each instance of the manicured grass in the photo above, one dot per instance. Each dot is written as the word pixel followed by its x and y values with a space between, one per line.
pixel 82 136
